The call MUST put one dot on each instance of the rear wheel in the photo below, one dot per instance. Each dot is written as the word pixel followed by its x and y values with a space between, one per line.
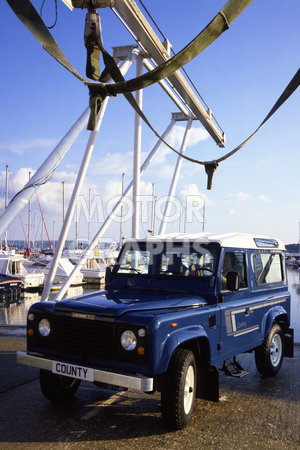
pixel 178 396
pixel 57 388
pixel 269 356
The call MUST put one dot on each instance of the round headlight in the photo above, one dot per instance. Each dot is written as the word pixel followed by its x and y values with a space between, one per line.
pixel 128 340
pixel 44 327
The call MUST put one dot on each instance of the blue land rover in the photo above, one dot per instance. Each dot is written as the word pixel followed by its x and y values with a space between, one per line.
pixel 175 310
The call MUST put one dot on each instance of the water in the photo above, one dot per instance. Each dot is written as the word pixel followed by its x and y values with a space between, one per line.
pixel 16 315
pixel 294 287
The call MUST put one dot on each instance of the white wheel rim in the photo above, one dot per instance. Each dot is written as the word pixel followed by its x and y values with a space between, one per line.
pixel 189 388
pixel 276 350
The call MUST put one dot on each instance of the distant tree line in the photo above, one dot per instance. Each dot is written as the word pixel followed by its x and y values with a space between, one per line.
pixel 292 248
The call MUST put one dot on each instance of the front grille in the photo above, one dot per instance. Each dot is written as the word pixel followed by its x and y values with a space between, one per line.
pixel 84 341
pixel 88 338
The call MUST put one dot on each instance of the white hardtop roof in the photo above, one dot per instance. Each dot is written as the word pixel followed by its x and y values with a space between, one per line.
pixel 227 240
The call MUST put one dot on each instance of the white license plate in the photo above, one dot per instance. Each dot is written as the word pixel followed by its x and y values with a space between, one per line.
pixel 71 370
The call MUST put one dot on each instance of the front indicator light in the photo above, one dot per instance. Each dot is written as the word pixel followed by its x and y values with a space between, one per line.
pixel 30 332
pixel 141 351
pixel 44 327
pixel 128 340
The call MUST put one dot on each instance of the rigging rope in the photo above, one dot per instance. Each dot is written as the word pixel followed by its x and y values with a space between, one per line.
pixel 41 13
pixel 99 91
pixel 183 68
pixel 209 34
pixel 210 166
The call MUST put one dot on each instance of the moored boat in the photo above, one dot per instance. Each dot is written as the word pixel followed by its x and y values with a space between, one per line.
pixel 10 290
pixel 13 264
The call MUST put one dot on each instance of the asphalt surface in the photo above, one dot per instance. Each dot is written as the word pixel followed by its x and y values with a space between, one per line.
pixel 253 412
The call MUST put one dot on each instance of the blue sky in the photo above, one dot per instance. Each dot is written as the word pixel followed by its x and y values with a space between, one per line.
pixel 240 76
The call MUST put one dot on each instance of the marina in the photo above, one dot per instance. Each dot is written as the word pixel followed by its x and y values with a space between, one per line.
pixel 16 315
pixel 200 280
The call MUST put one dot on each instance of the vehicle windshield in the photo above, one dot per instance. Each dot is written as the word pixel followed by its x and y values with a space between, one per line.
pixel 168 259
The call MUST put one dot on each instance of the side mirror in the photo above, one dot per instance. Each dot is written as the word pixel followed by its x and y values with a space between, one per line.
pixel 107 277
pixel 232 281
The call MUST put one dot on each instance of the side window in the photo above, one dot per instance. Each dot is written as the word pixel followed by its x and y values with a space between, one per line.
pixel 234 262
pixel 268 268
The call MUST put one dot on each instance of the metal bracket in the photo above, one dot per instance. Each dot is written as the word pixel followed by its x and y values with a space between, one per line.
pixel 181 117
pixel 95 3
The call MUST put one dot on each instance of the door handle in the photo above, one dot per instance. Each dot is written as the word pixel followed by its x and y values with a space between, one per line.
pixel 248 311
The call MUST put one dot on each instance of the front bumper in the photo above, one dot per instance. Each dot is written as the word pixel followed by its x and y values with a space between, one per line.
pixel 136 382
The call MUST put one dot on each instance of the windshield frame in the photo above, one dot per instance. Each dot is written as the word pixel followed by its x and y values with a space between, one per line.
pixel 156 251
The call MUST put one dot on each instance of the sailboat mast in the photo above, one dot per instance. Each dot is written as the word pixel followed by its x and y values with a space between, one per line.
pixel 121 220
pixel 76 225
pixel 89 221
pixel 153 210
pixel 63 198
pixel 6 203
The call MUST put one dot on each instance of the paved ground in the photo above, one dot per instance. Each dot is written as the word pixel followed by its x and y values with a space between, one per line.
pixel 254 412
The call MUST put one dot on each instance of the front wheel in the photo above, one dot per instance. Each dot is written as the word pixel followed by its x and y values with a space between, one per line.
pixel 269 356
pixel 178 396
pixel 57 388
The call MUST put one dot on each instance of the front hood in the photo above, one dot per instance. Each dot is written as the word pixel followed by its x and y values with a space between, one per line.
pixel 116 303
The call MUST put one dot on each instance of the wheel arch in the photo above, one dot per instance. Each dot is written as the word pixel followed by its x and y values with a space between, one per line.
pixel 194 339
pixel 200 347
pixel 276 315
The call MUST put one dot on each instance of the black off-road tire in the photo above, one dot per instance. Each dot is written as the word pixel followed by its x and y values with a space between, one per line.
pixel 269 356
pixel 57 388
pixel 178 396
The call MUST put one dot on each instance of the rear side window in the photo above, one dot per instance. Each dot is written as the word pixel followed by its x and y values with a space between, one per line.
pixel 268 268
pixel 234 262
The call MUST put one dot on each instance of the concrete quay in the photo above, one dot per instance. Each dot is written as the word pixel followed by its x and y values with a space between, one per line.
pixel 253 412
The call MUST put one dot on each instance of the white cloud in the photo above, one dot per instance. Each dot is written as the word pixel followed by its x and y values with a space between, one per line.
pixel 67 177
pixel 20 178
pixel 195 136
pixel 164 172
pixel 188 191
pixel 114 163
pixel 241 196
pixel 264 199
pixel 231 211
pixel 266 163
pixel 20 147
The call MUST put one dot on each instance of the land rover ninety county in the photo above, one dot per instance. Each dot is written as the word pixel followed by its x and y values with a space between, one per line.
pixel 176 310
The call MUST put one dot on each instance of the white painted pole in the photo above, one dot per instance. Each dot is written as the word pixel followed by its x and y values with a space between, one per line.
pixel 111 216
pixel 137 156
pixel 67 222
pixel 77 188
pixel 29 219
pixel 43 173
pixel 163 225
